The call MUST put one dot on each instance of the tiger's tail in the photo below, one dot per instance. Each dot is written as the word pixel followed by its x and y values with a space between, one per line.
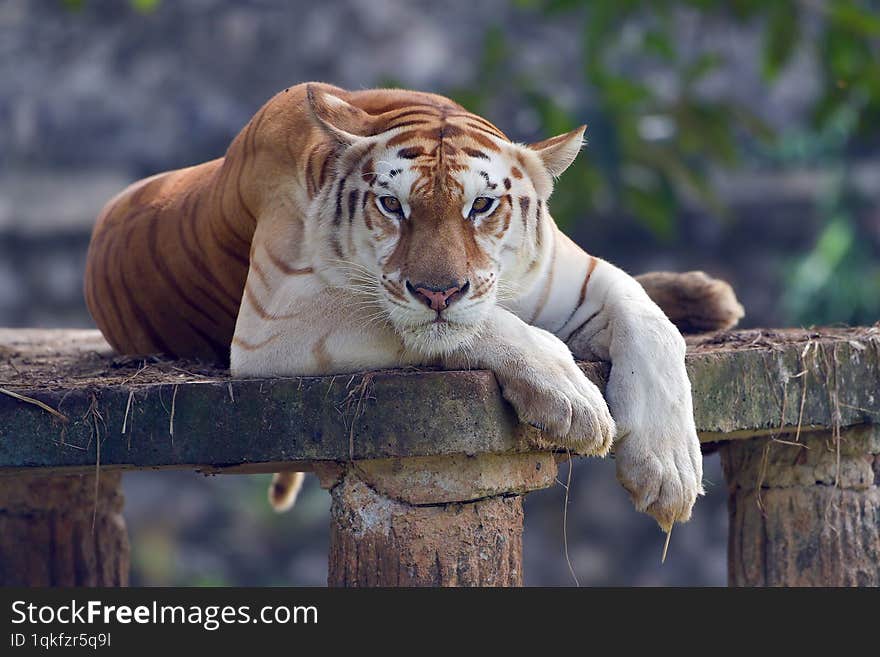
pixel 284 489
pixel 693 301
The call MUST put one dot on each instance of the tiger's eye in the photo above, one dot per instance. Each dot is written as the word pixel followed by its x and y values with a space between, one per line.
pixel 391 204
pixel 481 204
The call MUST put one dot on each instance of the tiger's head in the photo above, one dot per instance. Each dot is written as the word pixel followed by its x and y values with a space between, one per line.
pixel 433 215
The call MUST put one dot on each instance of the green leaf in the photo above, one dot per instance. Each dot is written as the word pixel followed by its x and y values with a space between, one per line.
pixel 780 38
pixel 702 66
pixel 660 43
pixel 654 209
pixel 494 50
pixel 833 244
pixel 622 93
pixel 860 21
pixel 144 6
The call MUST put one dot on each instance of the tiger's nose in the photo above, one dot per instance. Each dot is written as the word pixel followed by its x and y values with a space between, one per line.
pixel 438 298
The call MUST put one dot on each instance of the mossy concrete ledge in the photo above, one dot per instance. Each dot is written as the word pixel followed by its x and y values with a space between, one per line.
pixel 147 413
pixel 427 468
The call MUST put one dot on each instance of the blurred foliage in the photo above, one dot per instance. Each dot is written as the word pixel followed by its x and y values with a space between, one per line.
pixel 655 137
pixel 838 280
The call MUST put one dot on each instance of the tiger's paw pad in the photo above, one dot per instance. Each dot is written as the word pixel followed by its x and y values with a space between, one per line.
pixel 663 483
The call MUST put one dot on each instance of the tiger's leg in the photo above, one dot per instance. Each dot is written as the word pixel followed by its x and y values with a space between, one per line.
pixel 312 332
pixel 657 451
pixel 601 312
pixel 539 377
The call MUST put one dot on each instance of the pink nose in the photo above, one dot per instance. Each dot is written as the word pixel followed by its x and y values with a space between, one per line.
pixel 438 298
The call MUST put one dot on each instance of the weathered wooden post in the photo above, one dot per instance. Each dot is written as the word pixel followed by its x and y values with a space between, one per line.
pixel 798 413
pixel 445 521
pixel 62 531
pixel 805 513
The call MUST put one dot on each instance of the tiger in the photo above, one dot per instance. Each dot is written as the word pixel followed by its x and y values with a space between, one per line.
pixel 345 231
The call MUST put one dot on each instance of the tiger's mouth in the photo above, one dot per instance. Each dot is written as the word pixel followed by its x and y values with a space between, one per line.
pixel 437 338
pixel 434 334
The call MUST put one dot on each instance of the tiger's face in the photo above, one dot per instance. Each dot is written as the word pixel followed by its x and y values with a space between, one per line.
pixel 434 216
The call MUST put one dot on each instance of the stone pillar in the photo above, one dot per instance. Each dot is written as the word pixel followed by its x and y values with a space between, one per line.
pixel 805 515
pixel 54 531
pixel 433 521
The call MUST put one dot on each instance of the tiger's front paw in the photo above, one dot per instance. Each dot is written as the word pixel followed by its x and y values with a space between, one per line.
pixel 662 475
pixel 551 392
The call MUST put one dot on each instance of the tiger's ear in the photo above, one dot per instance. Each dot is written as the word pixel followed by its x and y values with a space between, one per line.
pixel 340 120
pixel 557 153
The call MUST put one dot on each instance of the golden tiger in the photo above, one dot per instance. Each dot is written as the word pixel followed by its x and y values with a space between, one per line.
pixel 347 231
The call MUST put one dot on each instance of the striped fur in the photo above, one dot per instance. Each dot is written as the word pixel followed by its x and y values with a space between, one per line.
pixel 288 257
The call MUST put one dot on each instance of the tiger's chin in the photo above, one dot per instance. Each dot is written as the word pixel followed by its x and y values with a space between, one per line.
pixel 435 339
